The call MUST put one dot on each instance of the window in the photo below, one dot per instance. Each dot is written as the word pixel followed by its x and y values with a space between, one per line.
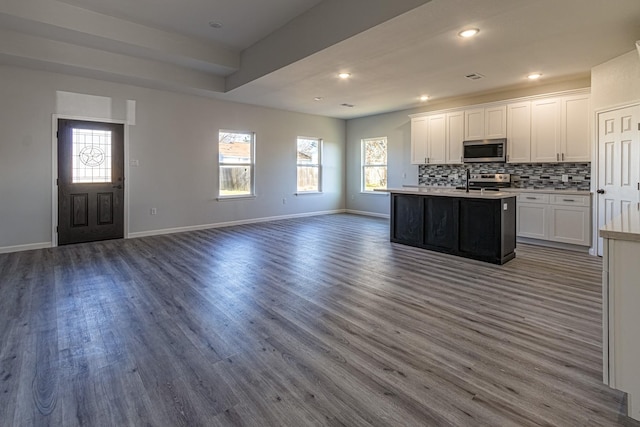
pixel 236 160
pixel 374 163
pixel 91 155
pixel 309 155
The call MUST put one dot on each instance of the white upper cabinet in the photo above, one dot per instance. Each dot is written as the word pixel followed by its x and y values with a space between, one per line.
pixel 437 139
pixel 538 130
pixel 419 140
pixel 474 124
pixel 455 136
pixel 485 123
pixel 495 122
pixel 545 130
pixel 429 139
pixel 560 129
pixel 519 132
pixel 576 129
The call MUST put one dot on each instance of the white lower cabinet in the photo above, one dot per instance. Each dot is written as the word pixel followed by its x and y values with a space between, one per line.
pixel 554 217
pixel 532 215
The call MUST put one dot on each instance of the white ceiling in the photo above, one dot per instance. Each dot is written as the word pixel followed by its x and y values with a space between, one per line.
pixel 283 53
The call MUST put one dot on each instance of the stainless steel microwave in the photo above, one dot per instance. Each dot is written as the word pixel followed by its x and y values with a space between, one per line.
pixel 484 150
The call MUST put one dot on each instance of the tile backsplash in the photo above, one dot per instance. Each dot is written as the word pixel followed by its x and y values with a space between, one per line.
pixel 525 175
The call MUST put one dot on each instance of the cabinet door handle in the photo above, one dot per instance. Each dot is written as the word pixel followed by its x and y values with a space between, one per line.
pixel 568 200
pixel 427 159
pixel 563 157
pixel 557 157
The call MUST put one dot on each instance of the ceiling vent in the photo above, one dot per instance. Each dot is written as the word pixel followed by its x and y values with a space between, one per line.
pixel 474 76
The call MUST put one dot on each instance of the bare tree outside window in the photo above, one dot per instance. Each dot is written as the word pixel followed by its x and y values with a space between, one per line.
pixel 374 163
pixel 309 161
pixel 235 157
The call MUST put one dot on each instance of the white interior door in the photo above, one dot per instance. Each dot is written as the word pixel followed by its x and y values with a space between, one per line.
pixel 618 163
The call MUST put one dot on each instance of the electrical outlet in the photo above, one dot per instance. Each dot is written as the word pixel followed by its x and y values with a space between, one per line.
pixel 154 211
pixel 565 178
pixel 134 163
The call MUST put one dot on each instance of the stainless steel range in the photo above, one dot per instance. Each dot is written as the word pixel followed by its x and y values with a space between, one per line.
pixel 489 181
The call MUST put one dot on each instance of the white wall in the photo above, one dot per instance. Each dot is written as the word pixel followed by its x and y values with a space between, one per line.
pixel 616 82
pixel 397 128
pixel 613 84
pixel 175 140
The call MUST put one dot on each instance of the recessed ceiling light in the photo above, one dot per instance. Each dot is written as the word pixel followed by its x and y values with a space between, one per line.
pixel 534 76
pixel 215 24
pixel 317 98
pixel 424 98
pixel 344 75
pixel 469 32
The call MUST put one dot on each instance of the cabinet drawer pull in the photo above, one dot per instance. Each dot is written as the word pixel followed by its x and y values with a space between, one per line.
pixel 568 200
pixel 532 198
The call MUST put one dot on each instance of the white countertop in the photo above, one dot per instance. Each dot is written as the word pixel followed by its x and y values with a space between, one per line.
pixel 449 192
pixel 623 227
pixel 548 191
pixel 515 190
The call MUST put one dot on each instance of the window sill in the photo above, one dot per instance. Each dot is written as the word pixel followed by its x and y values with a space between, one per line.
pixel 304 193
pixel 231 198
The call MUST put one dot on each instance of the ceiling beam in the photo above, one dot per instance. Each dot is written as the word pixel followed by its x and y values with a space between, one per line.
pixel 326 24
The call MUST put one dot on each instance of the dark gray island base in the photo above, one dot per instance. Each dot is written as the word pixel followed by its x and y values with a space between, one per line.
pixel 471 225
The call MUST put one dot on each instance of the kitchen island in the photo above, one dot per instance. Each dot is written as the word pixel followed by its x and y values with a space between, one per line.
pixel 478 224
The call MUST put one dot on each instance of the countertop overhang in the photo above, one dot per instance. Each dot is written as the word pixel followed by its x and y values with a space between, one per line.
pixel 548 191
pixel 516 190
pixel 625 226
pixel 449 192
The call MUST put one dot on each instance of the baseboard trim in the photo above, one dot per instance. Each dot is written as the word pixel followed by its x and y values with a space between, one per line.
pixel 229 223
pixel 365 213
pixel 556 245
pixel 20 248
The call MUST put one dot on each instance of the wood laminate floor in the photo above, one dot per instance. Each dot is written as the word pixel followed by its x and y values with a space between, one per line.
pixel 314 321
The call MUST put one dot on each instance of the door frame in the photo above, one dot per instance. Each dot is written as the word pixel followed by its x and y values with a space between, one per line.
pixel 54 169
pixel 595 170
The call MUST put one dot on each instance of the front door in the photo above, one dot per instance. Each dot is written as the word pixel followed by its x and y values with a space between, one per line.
pixel 618 163
pixel 90 181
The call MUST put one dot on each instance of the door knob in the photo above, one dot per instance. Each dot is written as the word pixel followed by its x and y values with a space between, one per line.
pixel 600 191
